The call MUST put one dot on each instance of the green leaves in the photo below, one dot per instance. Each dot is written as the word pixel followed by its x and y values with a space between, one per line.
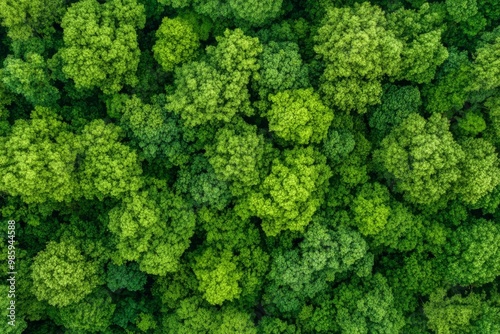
pixel 218 277
pixel 30 78
pixel 94 313
pixel 252 166
pixel 299 116
pixel 367 306
pixel 480 170
pixel 293 191
pixel 485 68
pixel 230 264
pixel 281 68
pixel 25 18
pixel 176 43
pixel 37 159
pixel 62 276
pixel 451 315
pixel 422 158
pixel 472 254
pixel 107 167
pixel 371 208
pixel 125 276
pixel 100 41
pixel 358 52
pixel 153 228
pixel 299 275
pixel 155 132
pixel 238 155
pixel 215 91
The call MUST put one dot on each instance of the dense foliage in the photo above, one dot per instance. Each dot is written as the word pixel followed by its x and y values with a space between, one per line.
pixel 251 167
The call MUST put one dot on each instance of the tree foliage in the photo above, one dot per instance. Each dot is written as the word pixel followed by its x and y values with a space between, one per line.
pixel 250 166
pixel 101 48
pixel 422 158
pixel 292 192
pixel 62 276
pixel 176 43
pixel 299 116
pixel 358 51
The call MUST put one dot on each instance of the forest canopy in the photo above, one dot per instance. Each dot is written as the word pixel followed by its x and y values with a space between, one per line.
pixel 250 167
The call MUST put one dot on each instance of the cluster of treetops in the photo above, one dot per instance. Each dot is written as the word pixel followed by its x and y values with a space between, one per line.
pixel 251 167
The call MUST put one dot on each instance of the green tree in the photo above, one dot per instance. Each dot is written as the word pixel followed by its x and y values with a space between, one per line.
pixel 493 111
pixel 153 228
pixel 420 31
pixel 281 68
pixel 194 316
pixel 299 116
pixel 472 123
pixel 239 155
pixel 37 159
pixel 290 195
pixel 215 90
pixel 62 276
pixel 92 314
pixel 254 13
pixel 299 276
pixel 452 315
pixel 100 43
pixel 422 158
pixel 24 19
pixel 480 170
pixel 106 166
pixel 471 256
pixel 461 10
pixel 371 208
pixel 403 230
pixel 449 91
pixel 487 59
pixel 31 78
pixel 154 131
pixel 176 43
pixel 230 264
pixel 358 51
pixel 367 306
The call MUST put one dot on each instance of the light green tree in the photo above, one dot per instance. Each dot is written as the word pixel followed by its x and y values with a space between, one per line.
pixel 359 51
pixel 100 43
pixel 176 43
pixel 31 78
pixel 106 166
pixel 25 19
pixel 299 116
pixel 62 275
pixel 480 172
pixel 290 195
pixel 37 159
pixel 371 208
pixel 215 90
pixel 452 315
pixel 422 158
